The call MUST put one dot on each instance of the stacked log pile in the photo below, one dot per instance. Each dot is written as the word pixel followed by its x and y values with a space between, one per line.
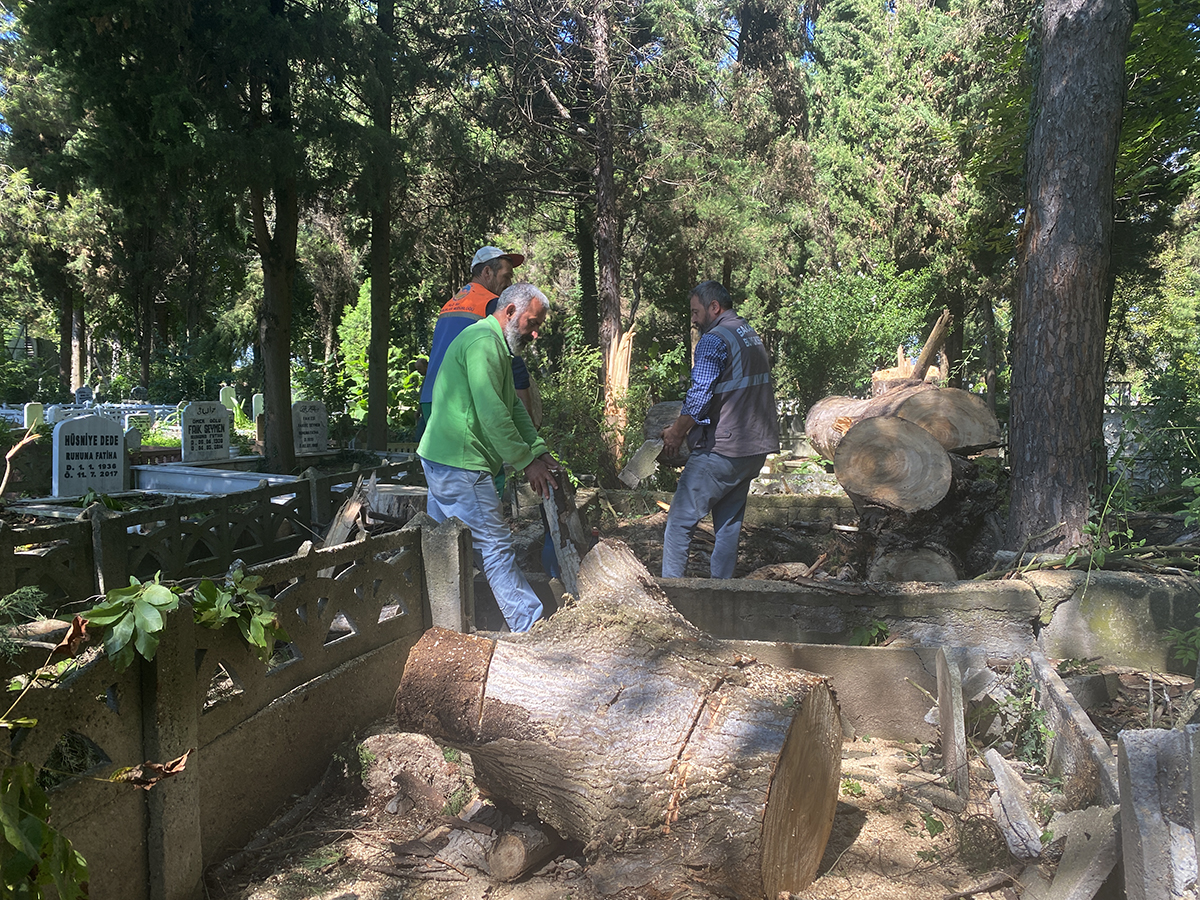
pixel 903 457
pixel 683 768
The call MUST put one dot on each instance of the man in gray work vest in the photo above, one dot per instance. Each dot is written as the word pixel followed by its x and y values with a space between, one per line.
pixel 730 422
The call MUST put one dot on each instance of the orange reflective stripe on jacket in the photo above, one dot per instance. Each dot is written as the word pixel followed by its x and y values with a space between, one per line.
pixel 471 299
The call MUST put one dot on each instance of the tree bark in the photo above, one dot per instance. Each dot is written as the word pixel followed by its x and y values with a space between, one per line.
pixel 676 762
pixel 1065 247
pixel 381 233
pixel 78 346
pixel 277 251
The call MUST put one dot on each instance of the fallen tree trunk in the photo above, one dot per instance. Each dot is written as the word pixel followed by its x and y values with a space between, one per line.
pixel 676 762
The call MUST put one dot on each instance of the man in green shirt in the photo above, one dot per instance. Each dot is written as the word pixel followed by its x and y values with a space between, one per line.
pixel 478 424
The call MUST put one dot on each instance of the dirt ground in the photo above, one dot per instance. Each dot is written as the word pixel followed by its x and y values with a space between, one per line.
pixel 388 822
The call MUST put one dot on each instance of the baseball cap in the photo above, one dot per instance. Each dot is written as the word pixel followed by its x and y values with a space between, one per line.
pixel 487 254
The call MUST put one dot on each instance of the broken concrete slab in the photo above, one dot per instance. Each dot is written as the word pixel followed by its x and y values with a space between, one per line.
pixel 1078 753
pixel 1013 810
pixel 1090 853
pixel 1158 846
pixel 883 692
pixel 952 724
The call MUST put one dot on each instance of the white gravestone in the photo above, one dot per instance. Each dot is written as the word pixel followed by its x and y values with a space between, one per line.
pixel 33 414
pixel 205 431
pixel 228 396
pixel 89 454
pixel 310 428
pixel 256 406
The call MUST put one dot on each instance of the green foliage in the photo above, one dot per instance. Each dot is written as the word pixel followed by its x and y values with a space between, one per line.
pixel 852 788
pixel 1026 722
pixel 573 424
pixel 23 605
pixel 838 328
pixel 33 856
pixel 132 618
pixel 238 600
pixel 365 759
pixel 457 800
pixel 872 634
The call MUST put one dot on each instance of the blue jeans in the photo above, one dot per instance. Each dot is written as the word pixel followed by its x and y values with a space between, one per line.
pixel 471 498
pixel 709 482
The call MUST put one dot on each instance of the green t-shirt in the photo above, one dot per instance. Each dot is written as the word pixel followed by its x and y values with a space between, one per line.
pixel 478 422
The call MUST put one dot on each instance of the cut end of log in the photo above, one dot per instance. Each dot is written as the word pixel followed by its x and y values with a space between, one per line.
pixel 956 418
pixel 803 796
pixel 893 462
pixel 921 564
pixel 441 690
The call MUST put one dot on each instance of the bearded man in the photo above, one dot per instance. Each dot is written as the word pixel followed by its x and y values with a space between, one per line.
pixel 476 425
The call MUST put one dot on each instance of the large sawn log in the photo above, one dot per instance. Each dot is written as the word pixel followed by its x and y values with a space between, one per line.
pixel 958 419
pixel 677 763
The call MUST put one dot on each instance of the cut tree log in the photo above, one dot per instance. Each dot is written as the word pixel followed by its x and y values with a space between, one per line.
pixel 520 850
pixel 829 419
pixel 958 419
pixel 679 764
pixel 918 564
pixel 892 462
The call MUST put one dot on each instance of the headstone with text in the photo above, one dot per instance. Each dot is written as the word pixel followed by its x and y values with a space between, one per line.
pixel 84 394
pixel 89 455
pixel 205 431
pixel 310 428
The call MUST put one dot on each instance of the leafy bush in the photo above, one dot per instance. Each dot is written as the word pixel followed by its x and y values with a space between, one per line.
pixel 839 328
pixel 132 618
pixel 573 422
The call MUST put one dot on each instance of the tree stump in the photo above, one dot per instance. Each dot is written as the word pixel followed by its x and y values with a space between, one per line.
pixel 677 763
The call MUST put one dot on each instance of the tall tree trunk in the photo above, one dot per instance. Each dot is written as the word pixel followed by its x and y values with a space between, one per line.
pixel 1057 446
pixel 66 318
pixel 607 250
pixel 78 346
pixel 278 255
pixel 987 316
pixel 585 243
pixel 144 299
pixel 381 233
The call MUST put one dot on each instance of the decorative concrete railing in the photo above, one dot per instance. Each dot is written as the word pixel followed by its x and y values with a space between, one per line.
pixel 71 560
pixel 258 732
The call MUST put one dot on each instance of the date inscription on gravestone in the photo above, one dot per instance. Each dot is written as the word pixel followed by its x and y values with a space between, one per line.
pixel 89 455
pixel 205 431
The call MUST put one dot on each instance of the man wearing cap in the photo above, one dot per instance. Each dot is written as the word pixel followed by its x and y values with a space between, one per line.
pixel 491 273
pixel 477 425
pixel 730 421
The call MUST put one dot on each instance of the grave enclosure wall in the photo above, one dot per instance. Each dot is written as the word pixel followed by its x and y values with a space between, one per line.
pixel 352 613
